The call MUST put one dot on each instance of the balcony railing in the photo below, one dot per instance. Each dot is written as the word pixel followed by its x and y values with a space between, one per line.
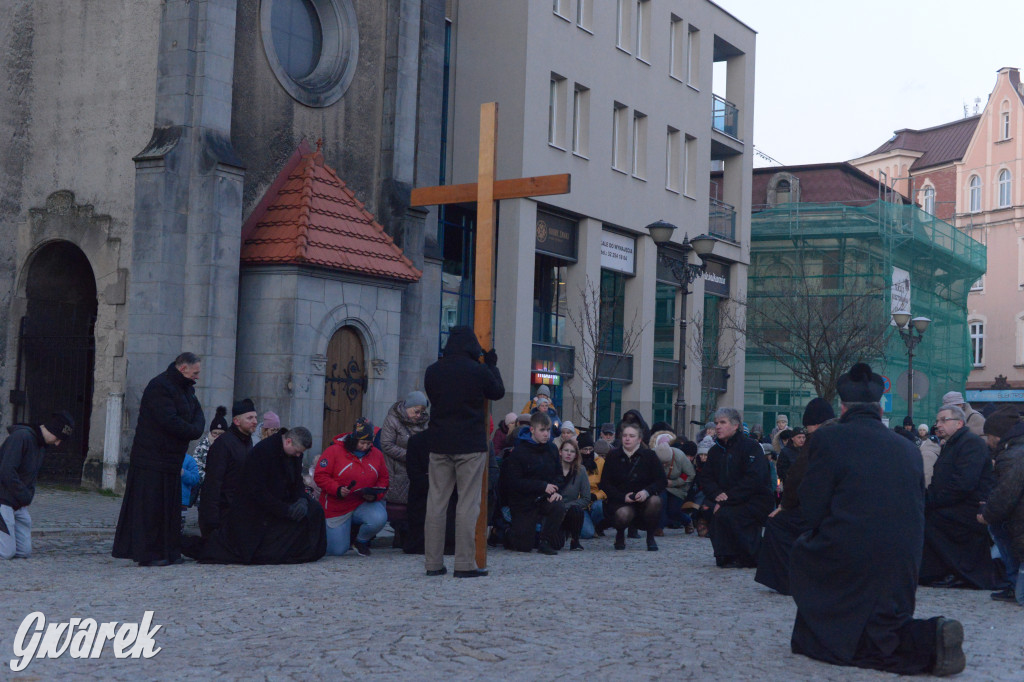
pixel 616 367
pixel 725 117
pixel 554 359
pixel 715 379
pixel 722 220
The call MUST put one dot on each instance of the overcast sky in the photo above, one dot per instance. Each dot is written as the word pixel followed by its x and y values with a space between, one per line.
pixel 834 80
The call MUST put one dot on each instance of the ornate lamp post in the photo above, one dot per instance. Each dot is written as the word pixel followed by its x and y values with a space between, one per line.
pixel 685 273
pixel 911 331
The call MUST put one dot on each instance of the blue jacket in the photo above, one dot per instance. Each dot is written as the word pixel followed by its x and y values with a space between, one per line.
pixel 189 479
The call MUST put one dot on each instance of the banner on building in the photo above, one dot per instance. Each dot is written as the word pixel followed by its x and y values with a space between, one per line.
pixel 900 295
pixel 618 252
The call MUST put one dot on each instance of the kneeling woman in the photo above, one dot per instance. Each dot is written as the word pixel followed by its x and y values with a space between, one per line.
pixel 352 478
pixel 574 487
pixel 633 478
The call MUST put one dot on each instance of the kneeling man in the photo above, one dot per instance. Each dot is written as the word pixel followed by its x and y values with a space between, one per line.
pixel 530 484
pixel 854 574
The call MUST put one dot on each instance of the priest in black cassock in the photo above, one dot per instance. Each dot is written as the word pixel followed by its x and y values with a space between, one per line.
pixel 274 521
pixel 736 481
pixel 854 574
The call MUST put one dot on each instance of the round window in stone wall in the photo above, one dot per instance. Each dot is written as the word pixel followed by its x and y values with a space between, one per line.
pixel 312 46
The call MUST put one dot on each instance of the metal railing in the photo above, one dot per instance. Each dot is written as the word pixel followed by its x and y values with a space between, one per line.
pixel 725 117
pixel 722 220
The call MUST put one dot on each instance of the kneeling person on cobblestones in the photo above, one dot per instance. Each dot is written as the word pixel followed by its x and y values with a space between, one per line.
pixel 21 455
pixel 353 479
pixel 532 472
pixel 634 479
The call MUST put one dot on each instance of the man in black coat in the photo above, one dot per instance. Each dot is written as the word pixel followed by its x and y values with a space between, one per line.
pixel 854 574
pixel 225 463
pixel 274 520
pixel 956 545
pixel 21 455
pixel 529 483
pixel 736 481
pixel 149 527
pixel 458 387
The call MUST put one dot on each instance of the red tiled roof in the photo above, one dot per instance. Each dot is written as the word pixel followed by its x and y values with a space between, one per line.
pixel 938 145
pixel 309 217
pixel 821 183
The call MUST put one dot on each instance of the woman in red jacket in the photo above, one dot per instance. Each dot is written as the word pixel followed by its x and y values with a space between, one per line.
pixel 352 478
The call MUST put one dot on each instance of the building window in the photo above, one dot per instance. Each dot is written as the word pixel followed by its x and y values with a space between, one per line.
pixel 643 30
pixel 561 8
pixel 585 14
pixel 665 320
pixel 1004 121
pixel 929 200
pixel 620 141
pixel 673 160
pixel 690 164
pixel 1004 188
pixel 676 48
pixel 457 229
pixel 979 284
pixel 776 403
pixel 975 194
pixel 978 344
pixel 639 145
pixel 580 119
pixel 556 106
pixel 662 403
pixel 609 403
pixel 549 300
pixel 692 56
pixel 623 12
pixel 783 192
pixel 613 309
pixel 312 47
pixel 1019 359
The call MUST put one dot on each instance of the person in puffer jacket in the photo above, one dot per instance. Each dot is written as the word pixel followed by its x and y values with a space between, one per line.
pixel 349 465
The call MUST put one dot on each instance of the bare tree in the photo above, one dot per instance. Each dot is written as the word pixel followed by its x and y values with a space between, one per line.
pixel 715 353
pixel 817 327
pixel 596 359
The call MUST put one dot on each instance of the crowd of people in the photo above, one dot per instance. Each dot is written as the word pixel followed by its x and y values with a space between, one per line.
pixel 946 502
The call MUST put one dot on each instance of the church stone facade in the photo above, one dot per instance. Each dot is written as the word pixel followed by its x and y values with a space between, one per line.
pixel 136 140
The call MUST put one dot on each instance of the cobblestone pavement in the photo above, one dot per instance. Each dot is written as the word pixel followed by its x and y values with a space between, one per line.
pixel 597 614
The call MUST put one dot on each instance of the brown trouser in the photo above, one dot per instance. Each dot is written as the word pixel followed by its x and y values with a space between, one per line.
pixel 447 471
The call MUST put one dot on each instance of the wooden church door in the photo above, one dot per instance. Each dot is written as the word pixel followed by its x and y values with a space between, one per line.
pixel 344 383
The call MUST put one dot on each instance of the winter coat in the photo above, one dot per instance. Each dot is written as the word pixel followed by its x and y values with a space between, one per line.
pixel 339 468
pixel 529 469
pixel 975 420
pixel 929 453
pixel 170 417
pixel 739 468
pixel 623 475
pixel 962 478
pixel 458 386
pixel 189 479
pixel 574 488
pixel 679 474
pixel 394 439
pixel 21 455
pixel 854 573
pixel 1006 501
pixel 224 480
pixel 595 478
pixel 636 417
pixel 787 456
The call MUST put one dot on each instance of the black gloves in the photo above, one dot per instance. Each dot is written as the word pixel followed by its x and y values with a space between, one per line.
pixel 490 358
pixel 340 496
pixel 298 509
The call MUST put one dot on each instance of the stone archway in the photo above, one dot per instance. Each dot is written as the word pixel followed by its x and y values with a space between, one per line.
pixel 57 352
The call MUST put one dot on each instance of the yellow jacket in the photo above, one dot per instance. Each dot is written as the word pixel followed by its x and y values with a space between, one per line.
pixel 595 479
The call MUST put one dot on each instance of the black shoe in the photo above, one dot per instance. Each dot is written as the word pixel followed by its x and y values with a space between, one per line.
pixel 620 540
pixel 438 571
pixel 652 546
pixel 948 581
pixel 493 540
pixel 546 548
pixel 633 533
pixel 575 546
pixel 949 653
pixel 475 573
pixel 361 548
pixel 1005 595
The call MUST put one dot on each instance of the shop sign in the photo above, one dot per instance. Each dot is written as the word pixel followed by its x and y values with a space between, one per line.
pixel 716 278
pixel 556 235
pixel 618 252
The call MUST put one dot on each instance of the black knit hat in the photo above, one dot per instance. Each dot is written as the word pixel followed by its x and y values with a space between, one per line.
pixel 363 429
pixel 243 406
pixel 908 421
pixel 661 426
pixel 818 411
pixel 585 440
pixel 860 385
pixel 1001 421
pixel 60 424
pixel 219 422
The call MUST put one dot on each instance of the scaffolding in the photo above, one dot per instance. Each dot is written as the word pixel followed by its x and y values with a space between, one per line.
pixel 838 249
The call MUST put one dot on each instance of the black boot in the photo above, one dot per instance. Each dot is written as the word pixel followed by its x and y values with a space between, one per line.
pixel 620 539
pixel 652 545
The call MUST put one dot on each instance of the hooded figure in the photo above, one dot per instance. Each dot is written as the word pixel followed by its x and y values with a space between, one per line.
pixel 458 387
pixel 853 575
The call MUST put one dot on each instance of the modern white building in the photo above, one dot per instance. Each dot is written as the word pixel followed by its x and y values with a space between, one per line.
pixel 641 101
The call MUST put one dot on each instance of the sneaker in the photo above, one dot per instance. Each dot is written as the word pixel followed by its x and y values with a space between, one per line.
pixel 949 653
pixel 1005 595
pixel 361 548
pixel 546 548
pixel 575 546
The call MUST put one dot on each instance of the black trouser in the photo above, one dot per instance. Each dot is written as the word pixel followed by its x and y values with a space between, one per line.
pixel 572 524
pixel 647 514
pixel 524 524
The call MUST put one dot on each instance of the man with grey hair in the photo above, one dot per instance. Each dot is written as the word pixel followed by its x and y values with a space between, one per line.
pixel 275 521
pixel 956 545
pixel 974 420
pixel 853 575
pixel 738 491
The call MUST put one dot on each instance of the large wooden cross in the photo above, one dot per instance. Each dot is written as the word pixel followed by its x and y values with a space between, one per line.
pixel 485 191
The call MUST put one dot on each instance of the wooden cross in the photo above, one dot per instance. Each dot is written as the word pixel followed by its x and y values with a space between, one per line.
pixel 485 191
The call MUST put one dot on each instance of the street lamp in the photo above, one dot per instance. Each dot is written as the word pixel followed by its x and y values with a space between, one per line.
pixel 911 331
pixel 685 273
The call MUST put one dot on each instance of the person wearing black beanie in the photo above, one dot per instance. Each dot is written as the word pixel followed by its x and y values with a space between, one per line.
pixel 817 412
